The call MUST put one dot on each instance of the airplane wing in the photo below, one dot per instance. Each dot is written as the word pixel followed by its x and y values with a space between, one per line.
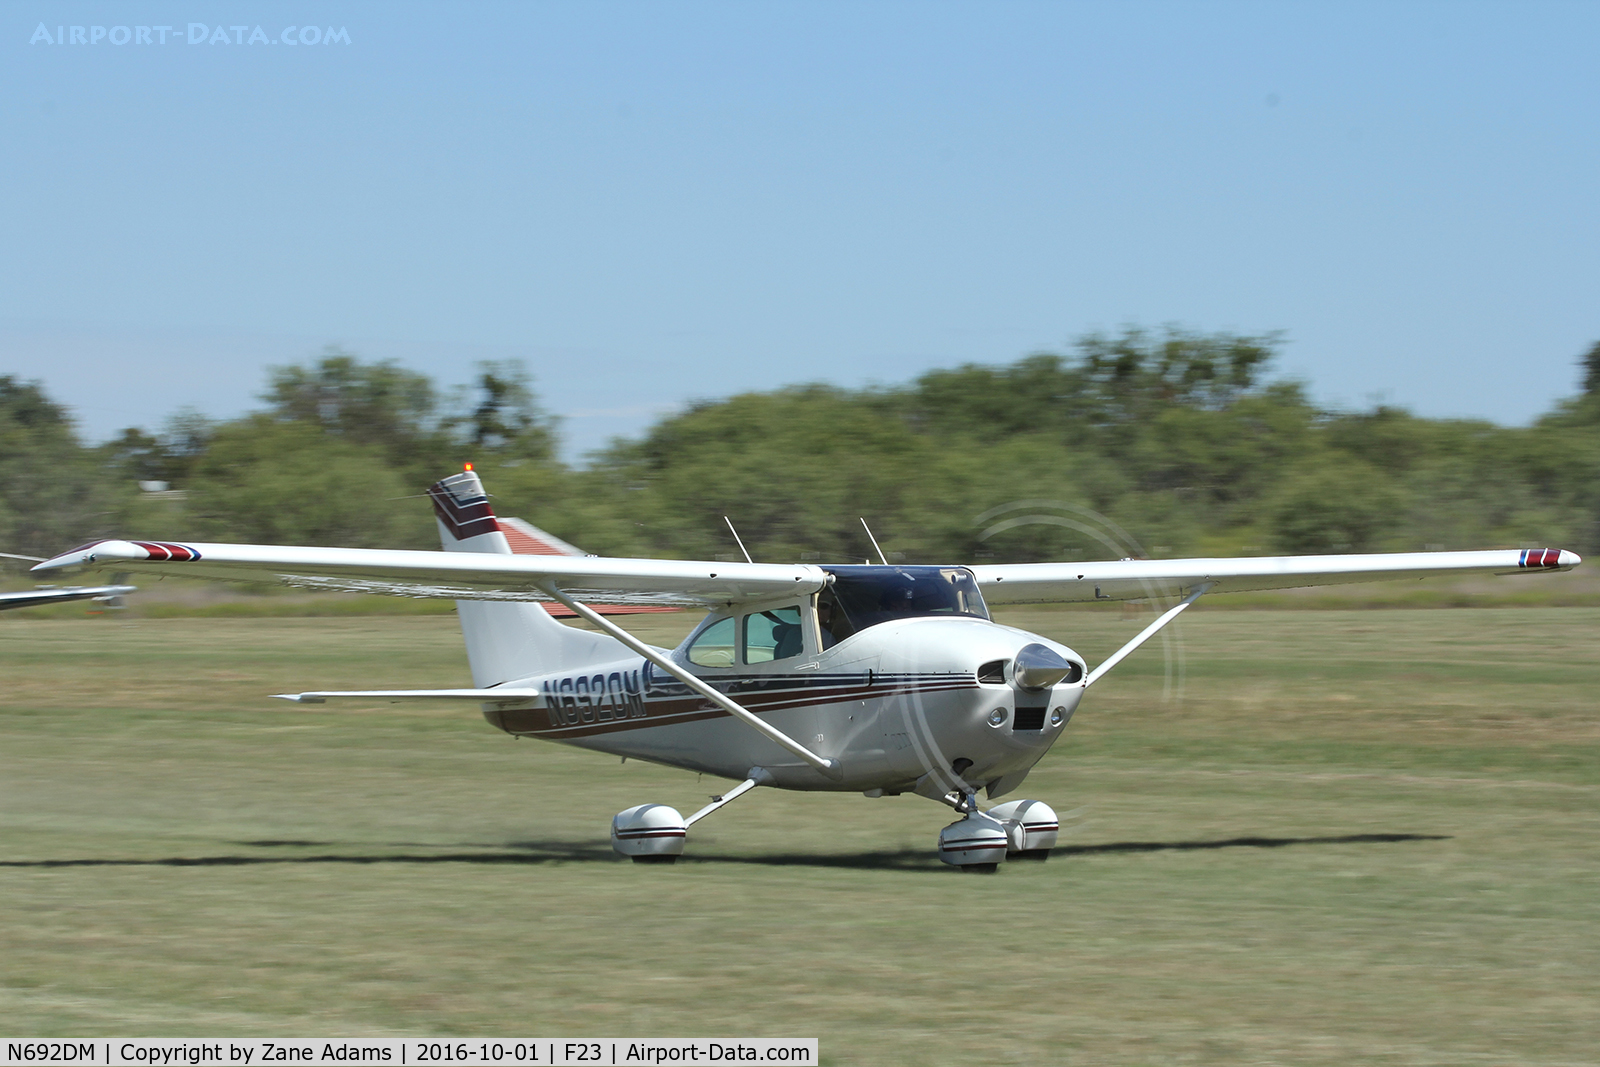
pixel 33 598
pixel 1134 579
pixel 451 575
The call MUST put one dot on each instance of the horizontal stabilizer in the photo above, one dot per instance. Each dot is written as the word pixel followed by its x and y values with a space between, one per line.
pixel 497 696
pixel 526 539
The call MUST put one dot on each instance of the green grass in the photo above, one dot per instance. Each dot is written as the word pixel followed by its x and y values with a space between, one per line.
pixel 1356 837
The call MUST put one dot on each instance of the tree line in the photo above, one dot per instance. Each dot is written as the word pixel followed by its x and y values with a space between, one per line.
pixel 1143 443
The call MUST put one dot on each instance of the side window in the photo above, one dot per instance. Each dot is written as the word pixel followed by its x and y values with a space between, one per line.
pixel 714 646
pixel 770 635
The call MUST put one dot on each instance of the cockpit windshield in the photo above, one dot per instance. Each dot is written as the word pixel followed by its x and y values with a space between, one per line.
pixel 859 597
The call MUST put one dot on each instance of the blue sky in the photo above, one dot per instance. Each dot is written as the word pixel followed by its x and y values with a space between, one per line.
pixel 652 202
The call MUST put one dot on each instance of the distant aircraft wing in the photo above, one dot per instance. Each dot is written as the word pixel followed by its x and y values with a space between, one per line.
pixel 1134 579
pixel 33 598
pixel 504 695
pixel 451 575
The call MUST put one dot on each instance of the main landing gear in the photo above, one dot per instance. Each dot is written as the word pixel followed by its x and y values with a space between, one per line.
pixel 1015 830
pixel 650 833
pixel 655 833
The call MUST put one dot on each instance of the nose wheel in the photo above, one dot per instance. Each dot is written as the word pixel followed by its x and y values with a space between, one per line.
pixel 976 843
pixel 981 841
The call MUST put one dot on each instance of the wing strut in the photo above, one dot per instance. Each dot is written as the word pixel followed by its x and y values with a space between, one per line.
pixel 757 777
pixel 827 767
pixel 1146 634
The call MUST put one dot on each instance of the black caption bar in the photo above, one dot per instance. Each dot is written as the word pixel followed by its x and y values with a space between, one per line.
pixel 455 1052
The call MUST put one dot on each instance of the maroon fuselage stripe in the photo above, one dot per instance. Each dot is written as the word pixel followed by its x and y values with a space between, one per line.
pixel 675 711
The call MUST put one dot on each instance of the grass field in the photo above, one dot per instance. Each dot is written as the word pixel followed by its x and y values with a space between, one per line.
pixel 1355 837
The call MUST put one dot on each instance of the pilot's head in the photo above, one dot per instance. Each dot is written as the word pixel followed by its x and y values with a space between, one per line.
pixel 898 595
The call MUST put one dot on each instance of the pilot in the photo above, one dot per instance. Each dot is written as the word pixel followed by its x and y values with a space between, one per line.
pixel 825 621
pixel 898 597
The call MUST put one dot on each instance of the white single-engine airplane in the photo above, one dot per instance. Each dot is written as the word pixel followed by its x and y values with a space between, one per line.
pixel 876 679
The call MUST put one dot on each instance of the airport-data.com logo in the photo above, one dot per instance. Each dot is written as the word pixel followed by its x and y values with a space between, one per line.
pixel 195 33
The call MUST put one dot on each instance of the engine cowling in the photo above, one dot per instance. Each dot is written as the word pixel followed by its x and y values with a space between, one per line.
pixel 649 833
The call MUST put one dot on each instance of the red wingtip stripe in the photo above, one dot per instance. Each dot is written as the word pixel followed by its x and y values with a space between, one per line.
pixel 161 552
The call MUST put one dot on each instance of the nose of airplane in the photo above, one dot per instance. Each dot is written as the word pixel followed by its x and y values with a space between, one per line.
pixel 1039 667
pixel 1569 559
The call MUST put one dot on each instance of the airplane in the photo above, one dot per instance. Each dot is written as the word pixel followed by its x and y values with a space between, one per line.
pixel 878 679
pixel 110 595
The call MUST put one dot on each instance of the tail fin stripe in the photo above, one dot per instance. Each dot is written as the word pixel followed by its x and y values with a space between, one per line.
pixel 506 641
pixel 464 518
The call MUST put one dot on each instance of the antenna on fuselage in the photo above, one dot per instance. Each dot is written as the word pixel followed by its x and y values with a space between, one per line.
pixel 739 539
pixel 881 558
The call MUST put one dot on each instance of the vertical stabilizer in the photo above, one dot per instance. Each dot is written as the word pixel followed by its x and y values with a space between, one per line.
pixel 506 640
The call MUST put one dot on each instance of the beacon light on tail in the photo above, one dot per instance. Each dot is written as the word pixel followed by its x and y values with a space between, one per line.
pixel 883 680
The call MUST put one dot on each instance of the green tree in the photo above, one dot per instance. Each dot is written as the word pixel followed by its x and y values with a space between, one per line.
pixel 1182 438
pixel 53 493
pixel 1336 505
pixel 507 421
pixel 265 481
pixel 793 469
pixel 138 456
pixel 379 405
